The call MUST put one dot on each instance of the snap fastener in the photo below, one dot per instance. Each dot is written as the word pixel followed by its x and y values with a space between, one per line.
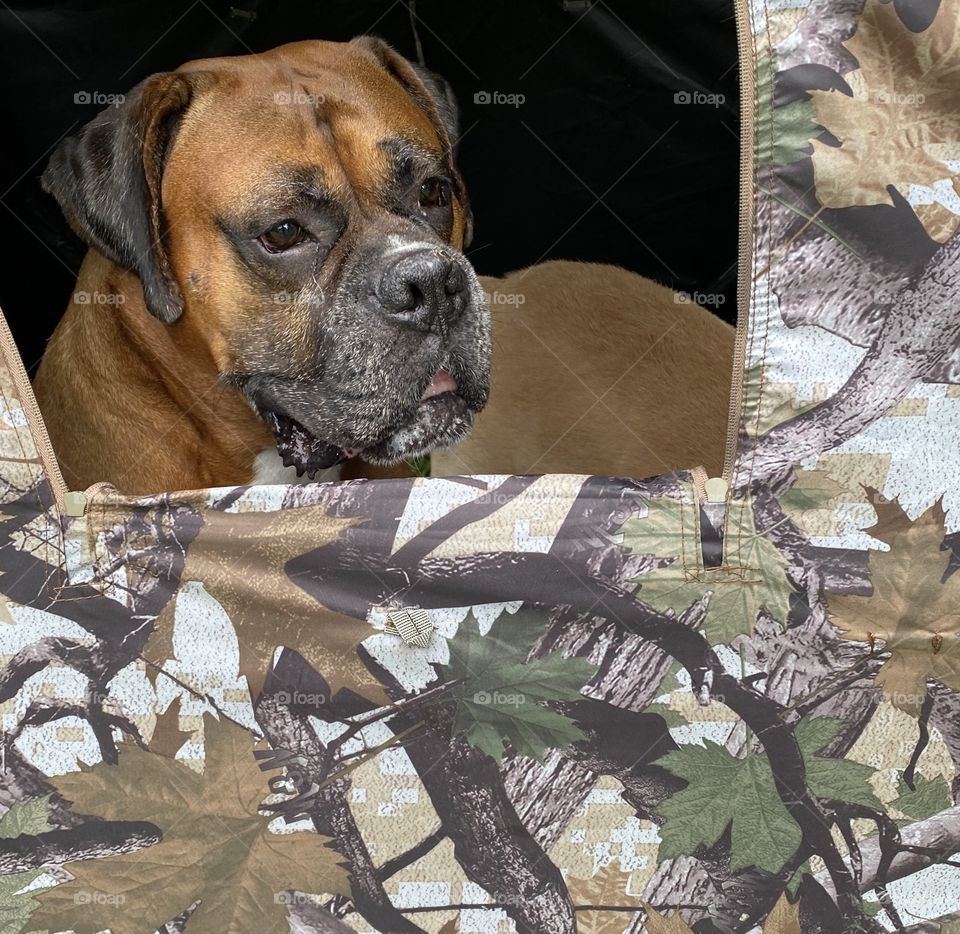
pixel 411 624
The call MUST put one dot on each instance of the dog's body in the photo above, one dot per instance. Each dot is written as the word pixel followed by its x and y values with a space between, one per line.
pixel 127 399
pixel 275 286
pixel 597 370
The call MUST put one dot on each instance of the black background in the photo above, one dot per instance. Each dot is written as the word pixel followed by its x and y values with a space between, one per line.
pixel 600 162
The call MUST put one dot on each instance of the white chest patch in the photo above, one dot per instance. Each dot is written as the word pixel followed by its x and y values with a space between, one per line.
pixel 269 469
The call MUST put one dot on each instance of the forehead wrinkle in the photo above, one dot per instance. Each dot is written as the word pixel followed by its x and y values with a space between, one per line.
pixel 333 134
pixel 298 184
pixel 355 105
pixel 405 153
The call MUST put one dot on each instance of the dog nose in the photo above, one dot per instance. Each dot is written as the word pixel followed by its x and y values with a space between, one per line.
pixel 423 288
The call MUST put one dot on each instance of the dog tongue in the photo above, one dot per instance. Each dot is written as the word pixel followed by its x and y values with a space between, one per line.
pixel 442 381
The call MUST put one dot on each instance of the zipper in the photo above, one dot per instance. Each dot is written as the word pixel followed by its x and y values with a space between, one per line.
pixel 75 502
pixel 700 478
pixel 28 402
pixel 710 494
pixel 745 245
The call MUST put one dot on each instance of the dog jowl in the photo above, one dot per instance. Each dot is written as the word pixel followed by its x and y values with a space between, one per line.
pixel 295 220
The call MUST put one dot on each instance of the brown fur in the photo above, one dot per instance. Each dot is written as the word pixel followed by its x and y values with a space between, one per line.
pixel 173 424
pixel 661 370
pixel 138 403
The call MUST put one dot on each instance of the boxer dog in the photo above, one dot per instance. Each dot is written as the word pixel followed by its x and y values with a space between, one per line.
pixel 275 274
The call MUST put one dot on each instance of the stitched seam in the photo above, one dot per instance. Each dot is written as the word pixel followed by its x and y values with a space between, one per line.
pixel 753 286
pixel 683 538
pixel 683 533
pixel 93 565
pixel 735 525
pixel 54 528
pixel 751 327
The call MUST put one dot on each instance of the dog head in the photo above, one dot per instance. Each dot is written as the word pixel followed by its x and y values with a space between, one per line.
pixel 300 214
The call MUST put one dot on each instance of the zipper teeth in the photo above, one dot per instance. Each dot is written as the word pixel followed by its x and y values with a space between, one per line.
pixel 699 476
pixel 745 246
pixel 28 401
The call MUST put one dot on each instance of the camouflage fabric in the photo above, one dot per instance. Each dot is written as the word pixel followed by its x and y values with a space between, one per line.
pixel 637 710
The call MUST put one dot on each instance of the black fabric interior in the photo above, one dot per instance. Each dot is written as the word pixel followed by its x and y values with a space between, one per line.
pixel 625 149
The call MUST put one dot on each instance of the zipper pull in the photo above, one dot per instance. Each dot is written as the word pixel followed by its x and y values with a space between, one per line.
pixel 716 489
pixel 74 504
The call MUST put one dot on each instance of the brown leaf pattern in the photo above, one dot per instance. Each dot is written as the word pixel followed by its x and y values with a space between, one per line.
pixel 633 703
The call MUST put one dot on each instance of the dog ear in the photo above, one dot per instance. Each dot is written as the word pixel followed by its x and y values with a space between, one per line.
pixel 435 98
pixel 441 93
pixel 107 179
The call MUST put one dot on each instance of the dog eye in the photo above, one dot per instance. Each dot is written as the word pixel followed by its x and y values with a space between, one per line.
pixel 435 193
pixel 282 236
